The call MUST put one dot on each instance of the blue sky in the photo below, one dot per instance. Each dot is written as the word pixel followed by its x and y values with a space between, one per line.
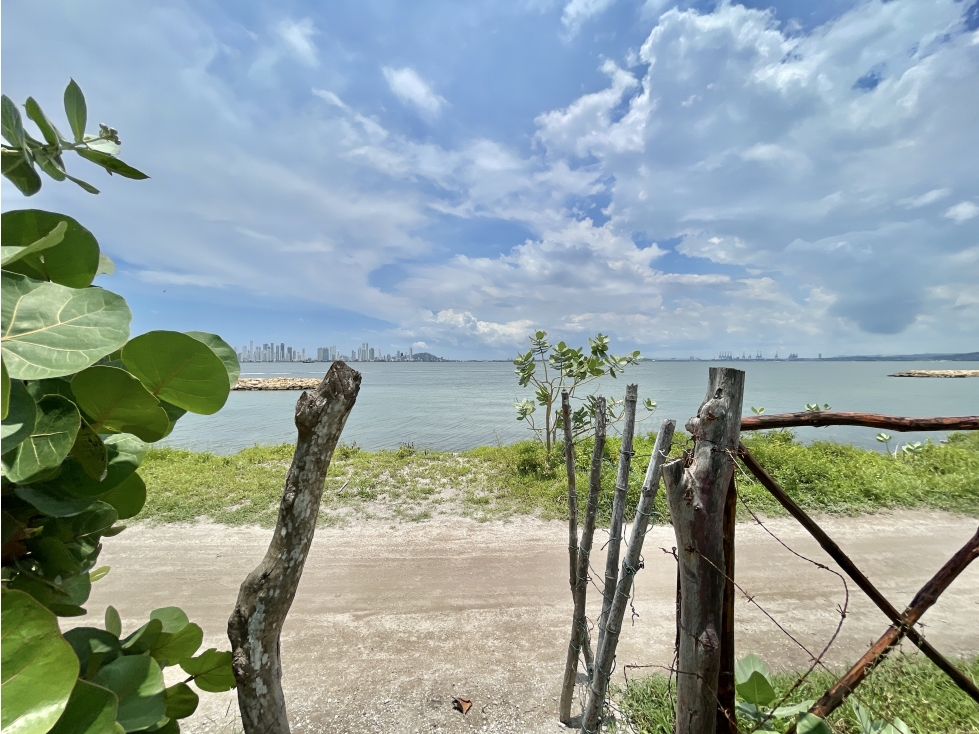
pixel 687 178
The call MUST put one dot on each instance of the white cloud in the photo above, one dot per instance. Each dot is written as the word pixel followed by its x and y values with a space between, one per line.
pixel 412 90
pixel 577 12
pixel 925 199
pixel 962 212
pixel 298 38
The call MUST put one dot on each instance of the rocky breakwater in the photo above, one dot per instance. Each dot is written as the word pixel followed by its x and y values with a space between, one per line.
pixel 276 383
pixel 937 373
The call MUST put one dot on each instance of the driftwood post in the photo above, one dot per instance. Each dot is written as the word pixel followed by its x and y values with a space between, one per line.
pixel 618 508
pixel 579 629
pixel 267 593
pixel 605 655
pixel 697 495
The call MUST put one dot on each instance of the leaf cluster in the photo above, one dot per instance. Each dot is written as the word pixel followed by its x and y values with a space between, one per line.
pixel 24 154
pixel 81 402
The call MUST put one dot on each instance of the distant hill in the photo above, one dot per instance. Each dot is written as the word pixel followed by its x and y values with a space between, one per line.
pixel 427 357
pixel 962 357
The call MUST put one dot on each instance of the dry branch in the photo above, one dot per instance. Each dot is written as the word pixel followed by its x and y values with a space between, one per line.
pixel 579 630
pixel 605 655
pixel 697 496
pixel 871 420
pixel 922 601
pixel 851 570
pixel 267 593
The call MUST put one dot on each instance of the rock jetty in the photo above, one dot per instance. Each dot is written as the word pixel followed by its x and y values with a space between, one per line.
pixel 937 373
pixel 276 383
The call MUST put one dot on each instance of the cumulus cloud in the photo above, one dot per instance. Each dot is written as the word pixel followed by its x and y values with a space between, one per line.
pixel 577 12
pixel 413 91
pixel 962 212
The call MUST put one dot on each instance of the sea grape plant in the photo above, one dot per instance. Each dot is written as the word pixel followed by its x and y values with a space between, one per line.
pixel 756 694
pixel 552 368
pixel 81 403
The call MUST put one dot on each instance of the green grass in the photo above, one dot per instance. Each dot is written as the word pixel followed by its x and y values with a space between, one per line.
pixel 905 686
pixel 500 481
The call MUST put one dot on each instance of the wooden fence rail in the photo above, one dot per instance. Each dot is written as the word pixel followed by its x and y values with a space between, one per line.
pixel 870 420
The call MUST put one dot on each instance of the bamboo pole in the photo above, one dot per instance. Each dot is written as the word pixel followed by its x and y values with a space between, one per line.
pixel 618 508
pixel 697 495
pixel 871 420
pixel 605 655
pixel 851 570
pixel 267 593
pixel 579 630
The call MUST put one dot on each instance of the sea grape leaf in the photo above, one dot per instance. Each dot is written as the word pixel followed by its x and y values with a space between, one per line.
pixel 172 647
pixel 21 416
pixel 113 622
pixel 211 670
pixel 224 351
pixel 173 619
pixel 128 498
pixel 50 441
pixel 90 452
pixel 106 266
pixel 137 681
pixel 116 401
pixel 38 667
pixel 125 452
pixel 49 330
pixel 144 638
pixel 181 701
pixel 91 709
pixel 76 110
pixel 94 648
pixel 53 386
pixel 13 253
pixel 179 369
pixel 73 261
pixel 5 384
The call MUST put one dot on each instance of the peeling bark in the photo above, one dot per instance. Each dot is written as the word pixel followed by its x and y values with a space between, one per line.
pixel 697 495
pixel 267 593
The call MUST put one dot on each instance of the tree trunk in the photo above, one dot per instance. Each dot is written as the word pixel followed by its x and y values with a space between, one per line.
pixel 697 495
pixel 618 507
pixel 605 655
pixel 579 630
pixel 267 593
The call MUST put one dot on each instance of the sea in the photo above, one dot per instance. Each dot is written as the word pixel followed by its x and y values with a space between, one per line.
pixel 454 406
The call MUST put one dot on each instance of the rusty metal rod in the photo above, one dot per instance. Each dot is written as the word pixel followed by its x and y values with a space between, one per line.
pixel 922 601
pixel 871 420
pixel 844 562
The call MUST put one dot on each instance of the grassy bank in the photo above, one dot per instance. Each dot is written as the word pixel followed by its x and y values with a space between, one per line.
pixel 500 481
pixel 908 687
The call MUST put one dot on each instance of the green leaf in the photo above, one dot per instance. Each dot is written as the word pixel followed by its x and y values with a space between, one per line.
pixel 812 724
pixel 54 434
pixel 38 667
pixel 113 623
pixel 34 112
pixel 106 266
pixel 20 171
pixel 138 683
pixel 73 261
pixel 49 330
pixel 94 648
pixel 752 682
pixel 98 574
pixel 5 384
pixel 225 352
pixel 785 712
pixel 179 369
pixel 90 452
pixel 76 110
pixel 111 164
pixel 11 125
pixel 144 638
pixel 12 254
pixel 84 184
pixel 63 600
pixel 52 499
pixel 173 618
pixel 181 701
pixel 91 709
pixel 172 647
pixel 21 416
pixel 128 498
pixel 116 401
pixel 211 670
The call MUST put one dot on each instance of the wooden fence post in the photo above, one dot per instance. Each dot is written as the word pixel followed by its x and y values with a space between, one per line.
pixel 572 491
pixel 267 593
pixel 579 630
pixel 618 507
pixel 727 717
pixel 605 655
pixel 697 495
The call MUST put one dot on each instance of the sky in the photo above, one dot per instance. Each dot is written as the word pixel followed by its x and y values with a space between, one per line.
pixel 688 179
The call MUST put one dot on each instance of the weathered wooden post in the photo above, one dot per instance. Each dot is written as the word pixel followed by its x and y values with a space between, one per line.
pixel 267 593
pixel 727 717
pixel 605 655
pixel 579 630
pixel 697 495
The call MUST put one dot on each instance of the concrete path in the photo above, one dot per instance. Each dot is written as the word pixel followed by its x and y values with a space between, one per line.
pixel 392 621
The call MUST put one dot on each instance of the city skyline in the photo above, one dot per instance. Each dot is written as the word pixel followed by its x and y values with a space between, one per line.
pixel 281 352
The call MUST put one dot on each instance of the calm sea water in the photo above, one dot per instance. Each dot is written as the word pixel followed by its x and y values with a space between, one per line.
pixel 454 406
